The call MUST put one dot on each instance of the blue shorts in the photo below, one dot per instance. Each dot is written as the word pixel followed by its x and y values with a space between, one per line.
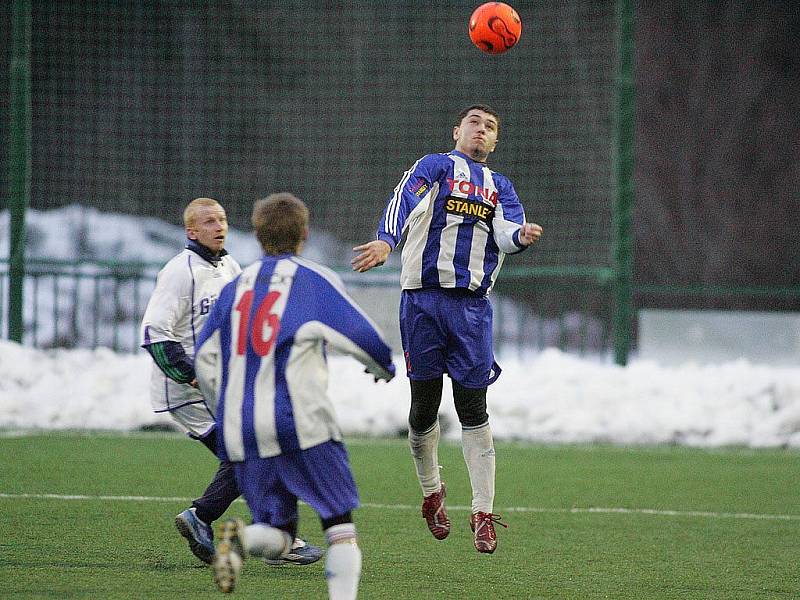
pixel 319 476
pixel 448 331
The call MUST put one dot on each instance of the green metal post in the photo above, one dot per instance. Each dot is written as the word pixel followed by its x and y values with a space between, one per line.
pixel 623 235
pixel 19 159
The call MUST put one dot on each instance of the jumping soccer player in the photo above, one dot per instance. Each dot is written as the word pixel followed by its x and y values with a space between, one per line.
pixel 460 219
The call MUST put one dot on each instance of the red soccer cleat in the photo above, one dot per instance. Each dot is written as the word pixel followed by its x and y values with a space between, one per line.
pixel 435 514
pixel 482 524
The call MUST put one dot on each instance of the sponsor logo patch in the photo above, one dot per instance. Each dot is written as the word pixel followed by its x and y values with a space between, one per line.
pixel 469 208
pixel 465 186
pixel 419 187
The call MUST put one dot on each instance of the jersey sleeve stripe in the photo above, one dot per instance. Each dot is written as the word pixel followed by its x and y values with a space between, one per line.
pixel 393 209
pixel 160 356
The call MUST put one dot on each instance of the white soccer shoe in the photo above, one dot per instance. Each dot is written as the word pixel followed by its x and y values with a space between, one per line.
pixel 229 556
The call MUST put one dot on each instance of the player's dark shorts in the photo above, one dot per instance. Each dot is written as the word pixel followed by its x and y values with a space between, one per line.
pixel 448 331
pixel 319 476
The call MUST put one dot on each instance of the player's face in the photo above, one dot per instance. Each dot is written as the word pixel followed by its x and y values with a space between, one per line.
pixel 476 136
pixel 209 228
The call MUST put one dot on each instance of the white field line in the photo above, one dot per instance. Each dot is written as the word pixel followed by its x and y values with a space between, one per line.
pixel 509 509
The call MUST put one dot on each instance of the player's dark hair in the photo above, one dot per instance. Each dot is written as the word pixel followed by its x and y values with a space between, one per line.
pixel 280 221
pixel 484 107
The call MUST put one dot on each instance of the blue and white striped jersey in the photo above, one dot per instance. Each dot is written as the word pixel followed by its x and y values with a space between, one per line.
pixel 460 219
pixel 261 362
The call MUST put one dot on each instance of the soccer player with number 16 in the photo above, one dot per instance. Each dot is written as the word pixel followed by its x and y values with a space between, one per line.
pixel 261 361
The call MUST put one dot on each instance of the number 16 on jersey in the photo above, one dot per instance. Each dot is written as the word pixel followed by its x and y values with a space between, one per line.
pixel 264 322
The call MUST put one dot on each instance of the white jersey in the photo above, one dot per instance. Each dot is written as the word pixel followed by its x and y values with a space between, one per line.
pixel 186 290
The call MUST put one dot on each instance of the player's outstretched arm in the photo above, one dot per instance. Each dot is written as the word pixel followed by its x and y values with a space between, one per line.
pixel 346 327
pixel 371 254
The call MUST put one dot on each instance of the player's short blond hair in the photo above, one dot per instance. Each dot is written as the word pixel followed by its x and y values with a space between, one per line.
pixel 190 212
pixel 280 221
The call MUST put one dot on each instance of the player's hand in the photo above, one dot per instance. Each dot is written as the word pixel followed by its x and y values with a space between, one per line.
pixel 529 233
pixel 194 384
pixel 376 378
pixel 371 254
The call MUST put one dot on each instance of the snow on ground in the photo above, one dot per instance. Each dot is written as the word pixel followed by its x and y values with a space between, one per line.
pixel 546 397
pixel 541 396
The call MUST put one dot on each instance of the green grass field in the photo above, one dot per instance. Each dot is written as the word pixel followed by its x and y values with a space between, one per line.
pixel 725 524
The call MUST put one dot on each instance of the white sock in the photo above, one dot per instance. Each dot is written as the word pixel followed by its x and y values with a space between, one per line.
pixel 343 562
pixel 425 450
pixel 265 541
pixel 478 450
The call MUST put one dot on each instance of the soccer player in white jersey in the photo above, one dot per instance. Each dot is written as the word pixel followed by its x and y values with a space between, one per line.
pixel 459 220
pixel 262 357
pixel 185 291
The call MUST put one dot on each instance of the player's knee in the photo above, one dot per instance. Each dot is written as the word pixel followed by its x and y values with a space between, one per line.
pixel 426 396
pixel 470 405
pixel 421 418
pixel 473 420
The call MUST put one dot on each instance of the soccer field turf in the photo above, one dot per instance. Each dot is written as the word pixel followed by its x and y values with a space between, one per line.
pixel 91 516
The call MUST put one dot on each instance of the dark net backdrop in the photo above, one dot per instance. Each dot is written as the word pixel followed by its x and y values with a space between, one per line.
pixel 139 107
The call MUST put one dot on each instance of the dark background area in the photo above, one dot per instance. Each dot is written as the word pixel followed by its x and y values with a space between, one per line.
pixel 717 139
pixel 141 109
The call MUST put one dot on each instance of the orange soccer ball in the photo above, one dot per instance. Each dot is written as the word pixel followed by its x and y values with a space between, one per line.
pixel 495 27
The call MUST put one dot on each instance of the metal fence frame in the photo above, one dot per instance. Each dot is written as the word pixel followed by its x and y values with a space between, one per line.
pixel 90 304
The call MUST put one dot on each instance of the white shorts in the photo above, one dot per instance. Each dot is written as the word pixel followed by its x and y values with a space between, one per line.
pixel 182 401
pixel 194 419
